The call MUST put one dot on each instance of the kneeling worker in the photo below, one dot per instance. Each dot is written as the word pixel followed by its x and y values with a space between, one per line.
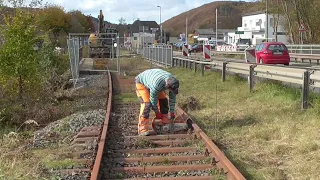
pixel 150 88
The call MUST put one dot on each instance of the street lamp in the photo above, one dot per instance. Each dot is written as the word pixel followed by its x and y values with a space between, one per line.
pixel 160 25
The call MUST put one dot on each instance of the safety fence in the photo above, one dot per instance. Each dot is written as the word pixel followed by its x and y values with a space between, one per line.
pixel 161 55
pixel 74 55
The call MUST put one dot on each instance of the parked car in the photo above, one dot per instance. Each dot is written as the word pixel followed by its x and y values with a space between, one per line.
pixel 272 53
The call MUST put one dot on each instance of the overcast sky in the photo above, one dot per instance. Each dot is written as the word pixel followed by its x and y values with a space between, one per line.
pixel 130 10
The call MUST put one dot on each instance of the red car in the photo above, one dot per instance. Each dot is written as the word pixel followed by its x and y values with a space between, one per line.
pixel 272 53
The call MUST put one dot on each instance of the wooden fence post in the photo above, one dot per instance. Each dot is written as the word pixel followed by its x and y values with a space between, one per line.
pixel 305 90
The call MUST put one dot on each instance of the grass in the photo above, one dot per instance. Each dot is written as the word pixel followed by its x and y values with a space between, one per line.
pixel 126 97
pixel 19 163
pixel 264 133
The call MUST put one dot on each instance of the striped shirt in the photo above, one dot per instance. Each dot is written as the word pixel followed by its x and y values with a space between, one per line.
pixel 155 81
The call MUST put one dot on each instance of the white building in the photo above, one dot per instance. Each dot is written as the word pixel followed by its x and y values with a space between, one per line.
pixel 254 29
pixel 140 39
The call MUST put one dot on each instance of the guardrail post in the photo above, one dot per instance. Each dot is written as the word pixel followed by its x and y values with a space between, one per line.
pixel 251 82
pixel 202 69
pixel 224 67
pixel 317 61
pixel 195 67
pixel 305 90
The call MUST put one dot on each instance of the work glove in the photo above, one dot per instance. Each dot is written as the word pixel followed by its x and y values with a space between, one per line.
pixel 159 115
pixel 172 115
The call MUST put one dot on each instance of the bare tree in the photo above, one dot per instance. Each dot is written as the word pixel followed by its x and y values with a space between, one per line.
pixel 122 21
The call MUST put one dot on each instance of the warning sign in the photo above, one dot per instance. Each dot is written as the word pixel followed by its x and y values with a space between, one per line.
pixel 302 27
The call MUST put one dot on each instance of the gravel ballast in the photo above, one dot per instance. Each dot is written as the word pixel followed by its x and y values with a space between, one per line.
pixel 120 125
pixel 87 107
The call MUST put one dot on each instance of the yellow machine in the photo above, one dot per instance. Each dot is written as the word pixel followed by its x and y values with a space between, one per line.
pixel 93 39
pixel 101 45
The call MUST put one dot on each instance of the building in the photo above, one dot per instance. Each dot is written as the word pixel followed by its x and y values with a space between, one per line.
pixel 144 32
pixel 254 31
pixel 210 34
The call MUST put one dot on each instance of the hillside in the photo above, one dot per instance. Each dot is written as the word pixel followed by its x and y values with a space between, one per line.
pixel 229 16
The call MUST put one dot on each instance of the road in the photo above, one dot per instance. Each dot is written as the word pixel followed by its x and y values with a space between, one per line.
pixel 216 58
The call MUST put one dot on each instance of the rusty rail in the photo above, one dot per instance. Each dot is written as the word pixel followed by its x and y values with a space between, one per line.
pixel 165 145
pixel 97 163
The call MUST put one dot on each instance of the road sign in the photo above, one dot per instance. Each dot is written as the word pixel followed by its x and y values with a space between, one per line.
pixel 239 32
pixel 302 27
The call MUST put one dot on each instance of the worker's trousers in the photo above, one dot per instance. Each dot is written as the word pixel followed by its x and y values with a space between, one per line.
pixel 144 97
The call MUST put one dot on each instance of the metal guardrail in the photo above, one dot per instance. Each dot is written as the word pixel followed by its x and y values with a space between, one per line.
pixel 295 56
pixel 304 48
pixel 305 78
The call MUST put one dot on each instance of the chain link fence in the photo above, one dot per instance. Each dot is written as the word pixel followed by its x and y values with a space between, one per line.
pixel 161 55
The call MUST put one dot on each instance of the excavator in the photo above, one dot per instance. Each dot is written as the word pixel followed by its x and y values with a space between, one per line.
pixel 101 46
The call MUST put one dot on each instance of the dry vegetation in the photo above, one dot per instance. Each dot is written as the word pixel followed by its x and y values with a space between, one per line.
pixel 264 133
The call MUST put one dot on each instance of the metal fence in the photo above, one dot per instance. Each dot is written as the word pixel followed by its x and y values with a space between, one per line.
pixel 74 55
pixel 307 79
pixel 161 55
pixel 304 48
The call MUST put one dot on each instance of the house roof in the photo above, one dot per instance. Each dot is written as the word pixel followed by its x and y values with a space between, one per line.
pixel 254 13
pixel 151 24
pixel 135 26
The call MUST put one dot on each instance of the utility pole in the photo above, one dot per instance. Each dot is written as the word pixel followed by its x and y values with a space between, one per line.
pixel 186 31
pixel 216 26
pixel 160 25
pixel 267 21
pixel 143 40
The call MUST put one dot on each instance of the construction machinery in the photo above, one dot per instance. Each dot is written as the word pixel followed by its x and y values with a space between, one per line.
pixel 102 44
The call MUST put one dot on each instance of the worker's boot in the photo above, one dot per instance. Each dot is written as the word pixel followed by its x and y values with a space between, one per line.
pixel 143 127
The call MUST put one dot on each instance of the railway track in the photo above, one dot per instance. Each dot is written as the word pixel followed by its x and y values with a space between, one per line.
pixel 122 155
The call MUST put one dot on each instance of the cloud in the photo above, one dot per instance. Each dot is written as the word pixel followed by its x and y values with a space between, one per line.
pixel 130 10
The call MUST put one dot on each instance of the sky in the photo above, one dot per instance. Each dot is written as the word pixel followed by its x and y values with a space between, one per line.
pixel 131 10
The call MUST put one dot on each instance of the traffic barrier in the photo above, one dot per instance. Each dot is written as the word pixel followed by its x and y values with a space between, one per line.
pixel 207 51
pixel 185 51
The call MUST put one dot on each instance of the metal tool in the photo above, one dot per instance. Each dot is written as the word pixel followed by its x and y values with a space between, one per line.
pixel 171 127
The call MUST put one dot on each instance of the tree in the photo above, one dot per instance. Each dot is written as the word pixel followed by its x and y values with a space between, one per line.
pixel 79 22
pixel 53 19
pixel 122 21
pixel 17 54
pixel 91 24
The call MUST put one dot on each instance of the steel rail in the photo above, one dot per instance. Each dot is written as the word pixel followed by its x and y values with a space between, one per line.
pixel 98 159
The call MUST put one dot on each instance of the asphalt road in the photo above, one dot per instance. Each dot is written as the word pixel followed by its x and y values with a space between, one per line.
pixel 216 58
